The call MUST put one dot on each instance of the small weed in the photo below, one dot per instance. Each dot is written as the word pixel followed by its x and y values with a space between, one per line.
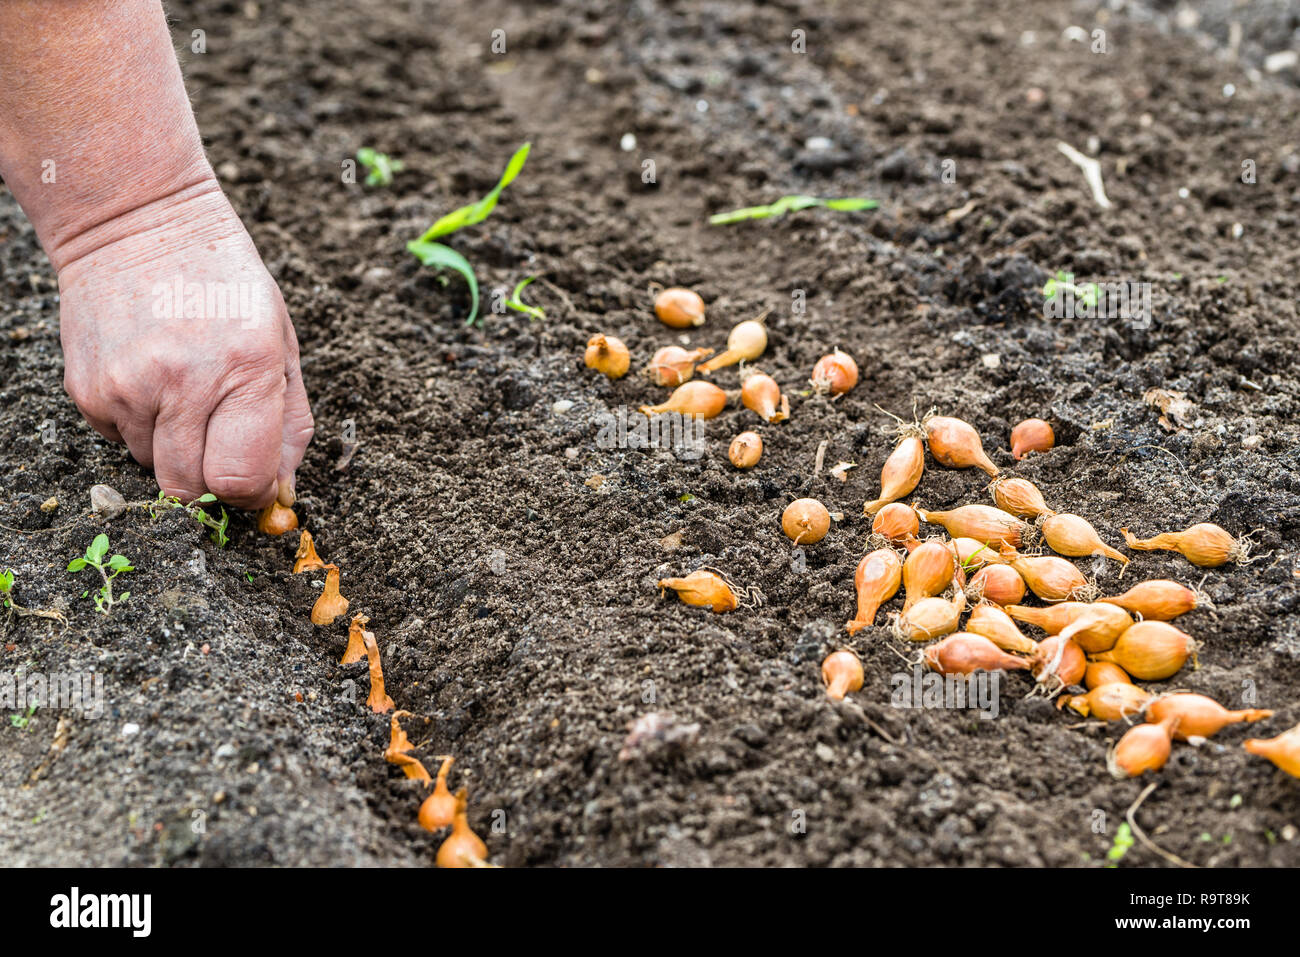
pixel 518 305
pixel 6 588
pixel 1123 841
pixel 21 721
pixel 108 570
pixel 380 167
pixel 197 512
pixel 790 204
pixel 7 583
pixel 1088 293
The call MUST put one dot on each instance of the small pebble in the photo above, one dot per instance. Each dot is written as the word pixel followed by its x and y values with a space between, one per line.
pixel 107 501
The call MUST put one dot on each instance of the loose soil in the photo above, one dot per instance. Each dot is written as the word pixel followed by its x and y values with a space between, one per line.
pixel 508 562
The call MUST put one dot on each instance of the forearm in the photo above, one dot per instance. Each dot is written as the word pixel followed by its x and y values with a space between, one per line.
pixel 97 137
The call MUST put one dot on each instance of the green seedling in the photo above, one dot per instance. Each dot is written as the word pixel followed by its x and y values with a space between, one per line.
pixel 1088 293
pixel 518 305
pixel 196 511
pixel 21 721
pixel 1120 847
pixel 444 257
pixel 7 601
pixel 108 570
pixel 380 167
pixel 790 204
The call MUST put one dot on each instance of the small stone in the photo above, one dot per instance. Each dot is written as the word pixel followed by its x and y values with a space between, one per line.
pixel 824 753
pixel 628 143
pixel 129 729
pixel 106 501
pixel 1252 442
pixel 562 406
pixel 818 144
pixel 991 360
pixel 49 505
pixel 225 751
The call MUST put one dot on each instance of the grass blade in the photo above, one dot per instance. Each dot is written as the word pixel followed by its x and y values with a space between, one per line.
pixel 444 257
pixel 477 212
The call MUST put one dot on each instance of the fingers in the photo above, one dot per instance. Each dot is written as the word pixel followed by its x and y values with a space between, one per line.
pixel 241 454
pixel 179 438
pixel 298 427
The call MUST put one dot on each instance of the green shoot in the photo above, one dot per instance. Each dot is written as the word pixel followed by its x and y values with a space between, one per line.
pixel 7 582
pixel 380 167
pixel 518 305
pixel 20 721
pixel 443 257
pixel 790 204
pixel 108 570
pixel 1123 841
pixel 219 527
pixel 6 588
pixel 1088 293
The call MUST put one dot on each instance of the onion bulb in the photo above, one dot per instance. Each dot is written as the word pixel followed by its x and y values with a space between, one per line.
pixel 356 649
pixel 956 444
pixel 841 673
pixel 1159 599
pixel 697 398
pixel 1095 626
pixel 927 571
pixel 746 343
pixel 462 848
pixel 896 522
pixel 399 748
pixel 1020 497
pixel 745 450
pixel 1048 577
pixel 984 523
pixel 805 521
pixel 1151 650
pixel 930 618
pixel 836 373
pixel 900 474
pixel 1144 747
pixel 608 356
pixel 330 604
pixel 1071 535
pixel 1031 435
pixel 876 580
pixel 1058 662
pixel 996 625
pixel 1100 673
pixel 378 701
pixel 1199 716
pixel 1111 702
pixel 1284 750
pixel 679 308
pixel 972 553
pixel 673 365
pixel 307 559
pixel 1000 584
pixel 439 808
pixel 276 520
pixel 964 652
pixel 1205 544
pixel 703 589
pixel 761 394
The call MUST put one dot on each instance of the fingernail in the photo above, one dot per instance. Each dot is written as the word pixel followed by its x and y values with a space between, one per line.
pixel 285 494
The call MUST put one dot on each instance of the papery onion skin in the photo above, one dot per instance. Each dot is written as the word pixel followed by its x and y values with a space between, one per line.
pixel 673 365
pixel 930 618
pixel 1200 716
pixel 1151 650
pixel 1031 435
pixel 876 581
pixel 1204 544
pixel 900 474
pixel 956 444
pixel 841 673
pixel 762 395
pixel 608 356
pixel 1110 702
pixel 984 523
pixel 1000 584
pixel 746 342
pixel 276 520
pixel 679 308
pixel 1064 664
pixel 463 848
pixel 702 589
pixel 745 450
pixel 330 605
pixel 1050 578
pixel 963 653
pixel 805 521
pixel 1075 537
pixel 306 559
pixel 439 808
pixel 836 373
pixel 1283 751
pixel 1144 747
pixel 997 626
pixel 1158 599
pixel 695 398
pixel 927 571
pixel 1019 497
pixel 896 522
pixel 1100 673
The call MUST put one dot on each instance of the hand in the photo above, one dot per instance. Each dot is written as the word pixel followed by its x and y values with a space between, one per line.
pixel 176 341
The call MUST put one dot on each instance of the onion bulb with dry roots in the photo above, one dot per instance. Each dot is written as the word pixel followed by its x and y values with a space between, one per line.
pixel 930 618
pixel 999 584
pixel 1101 673
pixel 1144 747
pixel 1058 662
pixel 836 373
pixel 1159 599
pixel 697 398
pixel 761 394
pixel 608 356
pixel 927 571
pixel 378 700
pixel 1074 536
pixel 679 308
pixel 439 808
pixel 1112 702
pixel 1048 577
pixel 900 474
pixel 330 604
pixel 956 444
pixel 1205 544
pixel 984 523
pixel 356 649
pixel 276 520
pixel 703 589
pixel 876 580
pixel 746 343
pixel 841 673
pixel 972 553
pixel 1284 750
pixel 306 558
pixel 1095 626
pixel 805 521
pixel 1031 435
pixel 996 625
pixel 1199 716
pixel 1019 497
pixel 463 848
pixel 964 652
pixel 896 522
pixel 673 365
pixel 745 450
pixel 1151 650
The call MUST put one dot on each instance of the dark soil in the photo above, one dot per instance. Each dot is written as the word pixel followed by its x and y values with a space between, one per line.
pixel 513 591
